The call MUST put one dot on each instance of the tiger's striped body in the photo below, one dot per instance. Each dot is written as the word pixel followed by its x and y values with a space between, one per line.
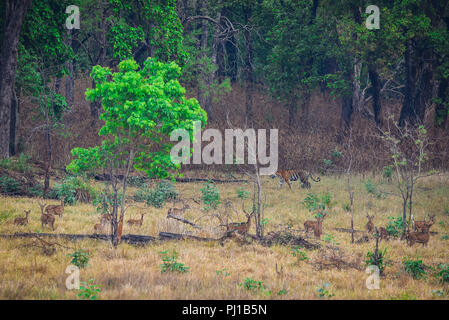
pixel 294 175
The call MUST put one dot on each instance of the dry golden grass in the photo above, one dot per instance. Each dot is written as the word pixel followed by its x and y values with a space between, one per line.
pixel 131 272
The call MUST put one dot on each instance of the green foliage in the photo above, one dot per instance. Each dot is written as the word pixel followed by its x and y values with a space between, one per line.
pixel 80 258
pixel 301 255
pixel 223 273
pixel 416 268
pixel 171 264
pixel 242 194
pixel 163 192
pixel 371 188
pixel 210 195
pixel 395 226
pixel 136 181
pixel 318 204
pixel 68 187
pixel 104 200
pixel 445 237
pixel 323 291
pixel 89 291
pixel 403 296
pixel 387 172
pixel 19 164
pixel 255 286
pixel 9 185
pixel 377 259
pixel 330 239
pixel 442 273
pixel 5 215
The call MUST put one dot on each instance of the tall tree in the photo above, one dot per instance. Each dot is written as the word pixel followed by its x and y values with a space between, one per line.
pixel 14 15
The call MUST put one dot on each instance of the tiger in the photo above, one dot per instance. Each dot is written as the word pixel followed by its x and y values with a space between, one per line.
pixel 294 175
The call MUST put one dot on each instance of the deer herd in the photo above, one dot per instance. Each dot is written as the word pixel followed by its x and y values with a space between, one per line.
pixel 420 233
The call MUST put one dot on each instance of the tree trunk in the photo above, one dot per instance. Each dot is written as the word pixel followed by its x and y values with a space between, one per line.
pixel 375 84
pixel 249 71
pixel 48 158
pixel 356 94
pixel 346 111
pixel 15 11
pixel 13 123
pixel 292 113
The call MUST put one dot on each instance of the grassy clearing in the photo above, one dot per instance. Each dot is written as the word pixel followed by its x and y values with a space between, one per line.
pixel 217 272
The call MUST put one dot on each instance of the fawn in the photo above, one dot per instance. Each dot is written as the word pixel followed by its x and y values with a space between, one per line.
pixel 178 212
pixel 316 226
pixel 424 226
pixel 104 220
pixel 370 225
pixel 56 209
pixel 46 218
pixel 22 221
pixel 136 221
pixel 420 237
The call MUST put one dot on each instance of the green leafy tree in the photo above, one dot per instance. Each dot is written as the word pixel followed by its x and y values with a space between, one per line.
pixel 141 107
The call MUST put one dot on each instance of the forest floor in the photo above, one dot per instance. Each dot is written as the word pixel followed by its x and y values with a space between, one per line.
pixel 219 272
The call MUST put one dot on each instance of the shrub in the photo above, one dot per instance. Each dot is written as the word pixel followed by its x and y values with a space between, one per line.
pixel 89 291
pixel 164 191
pixel 9 185
pixel 387 172
pixel 210 195
pixel 395 226
pixel 68 188
pixel 242 194
pixel 36 191
pixel 4 215
pixel 416 268
pixel 316 204
pixel 442 273
pixel 171 264
pixel 136 181
pixel 301 255
pixel 377 259
pixel 79 258
pixel 255 286
pixel 19 164
pixel 104 200
pixel 323 292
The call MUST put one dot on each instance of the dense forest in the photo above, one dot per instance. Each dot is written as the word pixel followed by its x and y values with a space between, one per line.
pixel 312 68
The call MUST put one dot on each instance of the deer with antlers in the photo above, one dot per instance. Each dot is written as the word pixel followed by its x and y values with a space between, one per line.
pixel 22 221
pixel 424 226
pixel 56 210
pixel 238 230
pixel 46 218
pixel 316 226
pixel 105 219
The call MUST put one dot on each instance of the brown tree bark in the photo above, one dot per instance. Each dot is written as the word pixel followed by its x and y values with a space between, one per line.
pixel 15 11
pixel 249 70
pixel 375 85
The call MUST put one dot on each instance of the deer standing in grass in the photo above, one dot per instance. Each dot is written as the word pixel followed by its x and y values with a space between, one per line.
pixel 136 222
pixel 316 226
pixel 370 225
pixel 46 219
pixel 22 221
pixel 424 226
pixel 105 219
pixel 57 209
pixel 420 237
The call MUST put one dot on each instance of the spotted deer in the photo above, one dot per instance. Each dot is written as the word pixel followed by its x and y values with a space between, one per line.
pixel 177 211
pixel 22 221
pixel 420 237
pixel 316 226
pixel 383 234
pixel 370 225
pixel 424 226
pixel 46 218
pixel 57 209
pixel 137 222
pixel 102 226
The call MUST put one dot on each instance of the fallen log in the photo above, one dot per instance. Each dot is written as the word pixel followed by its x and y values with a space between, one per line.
pixel 172 216
pixel 177 236
pixel 212 180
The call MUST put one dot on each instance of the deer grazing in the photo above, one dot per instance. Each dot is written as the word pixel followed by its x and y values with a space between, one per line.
pixel 316 226
pixel 46 219
pixel 57 210
pixel 370 225
pixel 383 234
pixel 137 222
pixel 424 226
pixel 22 221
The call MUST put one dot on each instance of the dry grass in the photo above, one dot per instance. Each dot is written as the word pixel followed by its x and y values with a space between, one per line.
pixel 131 272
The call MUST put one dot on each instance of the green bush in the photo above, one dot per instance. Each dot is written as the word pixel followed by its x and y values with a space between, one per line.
pixel 136 181
pixel 67 189
pixel 442 273
pixel 36 191
pixel 103 201
pixel 89 291
pixel 9 185
pixel 4 215
pixel 323 292
pixel 19 164
pixel 171 264
pixel 416 268
pixel 79 258
pixel 301 255
pixel 387 172
pixel 377 259
pixel 318 204
pixel 163 192
pixel 242 194
pixel 395 226
pixel 210 195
